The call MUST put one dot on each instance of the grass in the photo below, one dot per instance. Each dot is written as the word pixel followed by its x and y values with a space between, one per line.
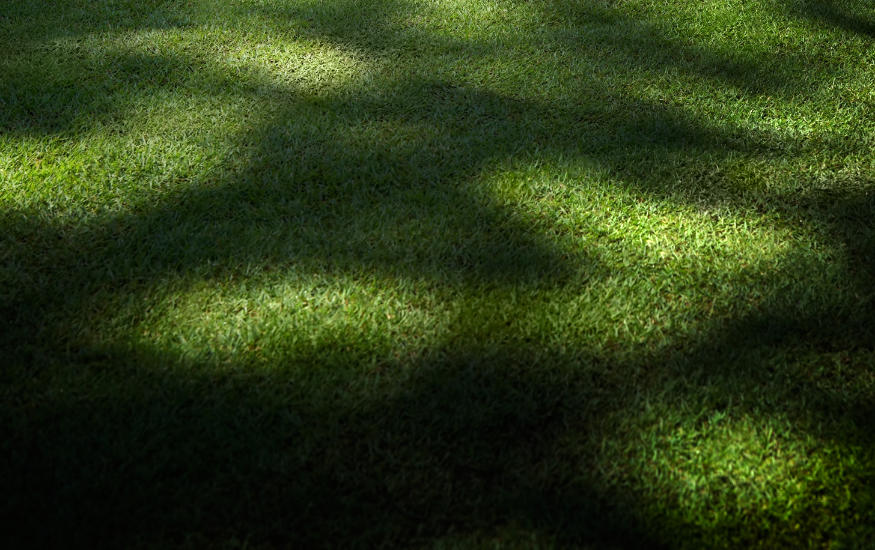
pixel 491 273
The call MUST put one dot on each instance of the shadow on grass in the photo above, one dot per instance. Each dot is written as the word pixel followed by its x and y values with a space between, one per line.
pixel 842 15
pixel 463 446
pixel 470 447
pixel 93 84
pixel 460 447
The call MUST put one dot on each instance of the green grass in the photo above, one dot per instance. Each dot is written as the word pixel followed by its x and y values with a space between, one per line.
pixel 481 273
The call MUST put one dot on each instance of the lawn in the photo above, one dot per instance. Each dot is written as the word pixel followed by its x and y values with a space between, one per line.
pixel 437 273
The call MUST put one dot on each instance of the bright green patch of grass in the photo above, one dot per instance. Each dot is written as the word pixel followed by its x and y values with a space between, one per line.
pixel 487 273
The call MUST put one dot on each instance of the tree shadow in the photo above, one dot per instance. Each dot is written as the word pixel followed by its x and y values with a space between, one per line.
pixel 96 83
pixel 470 446
pixel 28 24
pixel 836 14
pixel 456 448
pixel 466 441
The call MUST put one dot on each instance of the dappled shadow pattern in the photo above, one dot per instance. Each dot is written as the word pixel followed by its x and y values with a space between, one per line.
pixel 459 444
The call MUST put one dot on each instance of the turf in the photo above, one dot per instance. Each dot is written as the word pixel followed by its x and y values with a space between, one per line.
pixel 437 273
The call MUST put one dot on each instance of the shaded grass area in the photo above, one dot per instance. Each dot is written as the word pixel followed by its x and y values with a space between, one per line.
pixel 453 274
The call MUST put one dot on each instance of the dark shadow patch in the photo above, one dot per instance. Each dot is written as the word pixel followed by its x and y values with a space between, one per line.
pixel 849 16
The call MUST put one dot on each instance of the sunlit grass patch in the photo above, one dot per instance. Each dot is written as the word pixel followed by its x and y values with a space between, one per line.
pixel 760 481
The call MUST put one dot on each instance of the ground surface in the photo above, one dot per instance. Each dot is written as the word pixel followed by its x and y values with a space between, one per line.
pixel 457 273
